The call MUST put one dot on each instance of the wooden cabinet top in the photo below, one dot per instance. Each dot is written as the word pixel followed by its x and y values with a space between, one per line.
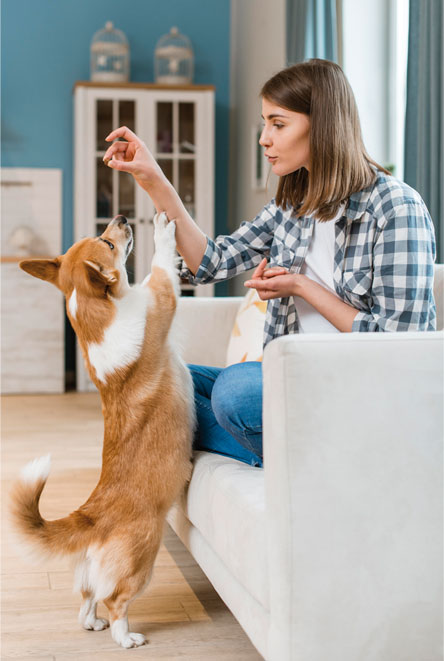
pixel 148 86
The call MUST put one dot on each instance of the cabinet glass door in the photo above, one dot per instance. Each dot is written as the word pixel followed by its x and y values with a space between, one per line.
pixel 176 153
pixel 176 148
pixel 115 191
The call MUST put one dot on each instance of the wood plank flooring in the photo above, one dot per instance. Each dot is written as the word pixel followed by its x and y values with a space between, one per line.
pixel 180 612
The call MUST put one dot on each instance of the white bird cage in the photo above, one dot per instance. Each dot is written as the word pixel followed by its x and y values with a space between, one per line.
pixel 109 55
pixel 173 59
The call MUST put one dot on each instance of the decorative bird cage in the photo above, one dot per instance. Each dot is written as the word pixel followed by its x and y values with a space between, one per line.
pixel 173 59
pixel 109 55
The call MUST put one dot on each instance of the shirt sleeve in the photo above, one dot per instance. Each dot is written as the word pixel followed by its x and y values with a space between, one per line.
pixel 229 255
pixel 403 267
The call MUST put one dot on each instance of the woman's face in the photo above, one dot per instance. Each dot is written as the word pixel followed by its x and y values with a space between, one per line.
pixel 286 138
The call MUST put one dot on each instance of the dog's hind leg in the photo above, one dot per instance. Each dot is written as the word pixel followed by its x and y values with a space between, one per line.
pixel 88 614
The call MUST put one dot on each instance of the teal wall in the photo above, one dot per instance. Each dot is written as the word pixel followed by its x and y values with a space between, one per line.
pixel 45 49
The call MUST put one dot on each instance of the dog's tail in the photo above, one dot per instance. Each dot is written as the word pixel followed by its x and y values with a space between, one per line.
pixel 66 535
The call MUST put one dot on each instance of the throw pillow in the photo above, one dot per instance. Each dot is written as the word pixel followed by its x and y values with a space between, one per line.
pixel 247 335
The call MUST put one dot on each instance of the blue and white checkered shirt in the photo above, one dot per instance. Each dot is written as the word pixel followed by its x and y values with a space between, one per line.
pixel 383 262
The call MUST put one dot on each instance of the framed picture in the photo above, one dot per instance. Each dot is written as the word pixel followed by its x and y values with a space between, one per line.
pixel 259 164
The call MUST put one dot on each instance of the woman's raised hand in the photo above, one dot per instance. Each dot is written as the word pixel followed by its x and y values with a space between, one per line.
pixel 132 156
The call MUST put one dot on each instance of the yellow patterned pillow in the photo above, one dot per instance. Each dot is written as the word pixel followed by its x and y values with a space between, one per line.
pixel 248 330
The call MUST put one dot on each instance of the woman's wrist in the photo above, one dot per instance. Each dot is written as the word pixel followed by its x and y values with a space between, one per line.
pixel 301 282
pixel 153 181
pixel 163 195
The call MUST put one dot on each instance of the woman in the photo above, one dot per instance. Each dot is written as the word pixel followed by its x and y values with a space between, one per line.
pixel 351 248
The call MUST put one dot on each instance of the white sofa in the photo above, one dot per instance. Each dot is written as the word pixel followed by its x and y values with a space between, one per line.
pixel 333 551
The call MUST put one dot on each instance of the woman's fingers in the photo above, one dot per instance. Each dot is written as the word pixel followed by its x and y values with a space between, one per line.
pixel 259 270
pixel 116 147
pixel 259 284
pixel 118 162
pixel 273 271
pixel 262 287
pixel 123 132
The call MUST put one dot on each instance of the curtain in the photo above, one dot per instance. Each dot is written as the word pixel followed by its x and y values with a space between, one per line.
pixel 424 135
pixel 311 30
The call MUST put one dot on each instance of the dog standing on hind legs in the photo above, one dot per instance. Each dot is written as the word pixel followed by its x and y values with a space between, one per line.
pixel 148 410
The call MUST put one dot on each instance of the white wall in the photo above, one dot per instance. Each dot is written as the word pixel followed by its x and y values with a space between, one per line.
pixel 365 62
pixel 257 52
pixel 374 60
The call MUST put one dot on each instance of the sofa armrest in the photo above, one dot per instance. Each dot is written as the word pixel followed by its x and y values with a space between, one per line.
pixel 353 445
pixel 204 327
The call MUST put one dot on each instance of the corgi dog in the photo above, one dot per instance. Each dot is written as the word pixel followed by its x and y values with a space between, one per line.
pixel 147 404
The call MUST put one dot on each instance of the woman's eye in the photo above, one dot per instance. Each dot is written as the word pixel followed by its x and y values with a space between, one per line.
pixel 278 126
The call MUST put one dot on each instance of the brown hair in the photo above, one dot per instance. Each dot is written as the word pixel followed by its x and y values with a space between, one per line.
pixel 339 164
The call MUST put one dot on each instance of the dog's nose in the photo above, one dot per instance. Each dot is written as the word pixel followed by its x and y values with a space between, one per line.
pixel 121 220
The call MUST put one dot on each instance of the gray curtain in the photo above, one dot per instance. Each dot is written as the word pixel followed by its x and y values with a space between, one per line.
pixel 311 30
pixel 424 135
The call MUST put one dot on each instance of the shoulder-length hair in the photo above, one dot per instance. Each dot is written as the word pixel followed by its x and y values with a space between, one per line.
pixel 339 163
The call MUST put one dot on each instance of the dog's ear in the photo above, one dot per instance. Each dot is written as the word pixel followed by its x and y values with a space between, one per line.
pixel 98 276
pixel 45 269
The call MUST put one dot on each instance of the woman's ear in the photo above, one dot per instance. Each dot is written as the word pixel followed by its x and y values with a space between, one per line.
pixel 45 269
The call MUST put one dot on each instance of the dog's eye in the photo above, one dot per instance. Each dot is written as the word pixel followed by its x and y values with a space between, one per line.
pixel 111 245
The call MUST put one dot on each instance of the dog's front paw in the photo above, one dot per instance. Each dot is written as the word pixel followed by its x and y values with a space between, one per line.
pixel 160 220
pixel 162 226
pixel 164 235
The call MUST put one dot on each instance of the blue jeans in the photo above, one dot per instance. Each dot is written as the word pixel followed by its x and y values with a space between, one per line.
pixel 229 410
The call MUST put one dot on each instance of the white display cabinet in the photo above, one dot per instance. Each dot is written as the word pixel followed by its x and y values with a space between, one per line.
pixel 177 124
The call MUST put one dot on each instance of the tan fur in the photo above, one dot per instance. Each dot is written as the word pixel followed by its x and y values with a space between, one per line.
pixel 148 419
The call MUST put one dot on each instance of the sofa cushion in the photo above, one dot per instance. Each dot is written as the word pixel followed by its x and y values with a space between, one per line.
pixel 226 503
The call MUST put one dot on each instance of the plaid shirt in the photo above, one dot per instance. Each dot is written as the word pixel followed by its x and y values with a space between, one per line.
pixel 383 262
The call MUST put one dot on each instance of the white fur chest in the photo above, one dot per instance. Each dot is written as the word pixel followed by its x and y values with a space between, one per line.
pixel 123 339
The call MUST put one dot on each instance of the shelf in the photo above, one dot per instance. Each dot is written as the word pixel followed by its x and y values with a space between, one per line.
pixel 147 86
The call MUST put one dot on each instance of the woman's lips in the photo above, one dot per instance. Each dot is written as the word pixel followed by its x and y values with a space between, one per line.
pixel 272 159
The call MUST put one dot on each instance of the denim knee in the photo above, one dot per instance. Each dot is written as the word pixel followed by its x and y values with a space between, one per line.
pixel 236 398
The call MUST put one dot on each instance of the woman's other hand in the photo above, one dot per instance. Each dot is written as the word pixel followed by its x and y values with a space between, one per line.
pixel 274 282
pixel 132 156
pixel 277 282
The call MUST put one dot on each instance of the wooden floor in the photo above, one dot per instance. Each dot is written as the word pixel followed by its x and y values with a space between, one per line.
pixel 180 612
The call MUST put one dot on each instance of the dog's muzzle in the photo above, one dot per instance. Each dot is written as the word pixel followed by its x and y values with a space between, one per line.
pixel 122 223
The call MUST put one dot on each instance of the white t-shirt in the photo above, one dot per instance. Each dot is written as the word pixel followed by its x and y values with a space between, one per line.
pixel 319 266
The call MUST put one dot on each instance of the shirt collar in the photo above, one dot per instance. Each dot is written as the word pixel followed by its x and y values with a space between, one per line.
pixel 358 202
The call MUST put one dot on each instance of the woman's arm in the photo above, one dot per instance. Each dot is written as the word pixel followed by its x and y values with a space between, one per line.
pixel 337 312
pixel 220 259
pixel 134 157
pixel 403 269
pixel 191 242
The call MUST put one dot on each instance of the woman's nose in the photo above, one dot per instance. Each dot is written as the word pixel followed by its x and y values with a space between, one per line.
pixel 264 140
